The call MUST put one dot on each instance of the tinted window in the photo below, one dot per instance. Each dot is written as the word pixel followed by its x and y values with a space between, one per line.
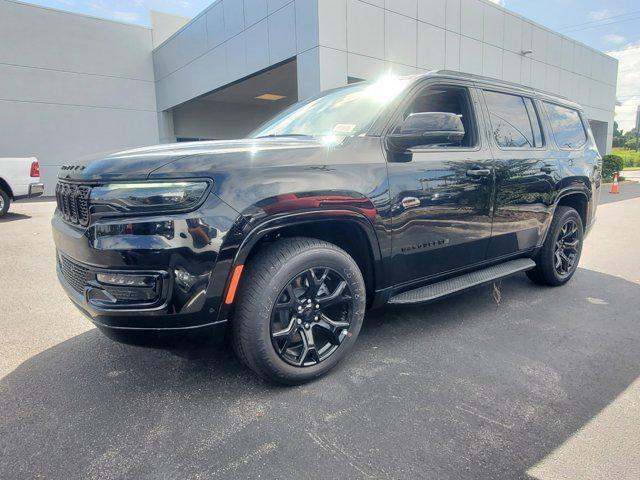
pixel 535 122
pixel 511 124
pixel 446 99
pixel 567 126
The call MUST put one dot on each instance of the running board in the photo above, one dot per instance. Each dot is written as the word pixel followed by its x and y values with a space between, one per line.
pixel 463 282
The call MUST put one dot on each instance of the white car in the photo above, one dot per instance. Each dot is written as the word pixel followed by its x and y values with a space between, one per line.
pixel 19 179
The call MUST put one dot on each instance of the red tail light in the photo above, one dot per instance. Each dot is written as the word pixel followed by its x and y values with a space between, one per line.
pixel 35 169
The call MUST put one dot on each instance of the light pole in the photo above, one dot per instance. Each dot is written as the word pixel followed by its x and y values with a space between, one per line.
pixel 637 127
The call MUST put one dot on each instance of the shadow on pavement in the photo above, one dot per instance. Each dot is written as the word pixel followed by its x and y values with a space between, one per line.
pixel 12 217
pixel 462 388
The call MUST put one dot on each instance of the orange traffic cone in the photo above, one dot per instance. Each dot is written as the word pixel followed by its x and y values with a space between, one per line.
pixel 614 187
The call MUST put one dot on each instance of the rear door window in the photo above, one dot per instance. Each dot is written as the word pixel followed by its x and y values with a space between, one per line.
pixel 567 126
pixel 514 121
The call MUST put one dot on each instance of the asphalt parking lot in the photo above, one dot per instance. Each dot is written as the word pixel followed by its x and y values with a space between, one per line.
pixel 544 384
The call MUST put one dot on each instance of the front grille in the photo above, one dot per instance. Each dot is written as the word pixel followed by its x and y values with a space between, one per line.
pixel 74 273
pixel 73 202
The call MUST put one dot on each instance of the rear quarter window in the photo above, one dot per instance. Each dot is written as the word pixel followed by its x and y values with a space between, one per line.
pixel 567 126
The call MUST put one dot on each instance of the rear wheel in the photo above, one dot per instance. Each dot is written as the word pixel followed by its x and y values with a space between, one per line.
pixel 5 201
pixel 299 311
pixel 558 259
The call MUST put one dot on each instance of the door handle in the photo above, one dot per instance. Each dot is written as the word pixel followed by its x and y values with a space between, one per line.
pixel 481 172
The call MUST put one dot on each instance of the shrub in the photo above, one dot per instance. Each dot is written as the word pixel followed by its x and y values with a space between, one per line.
pixel 631 144
pixel 611 164
pixel 631 158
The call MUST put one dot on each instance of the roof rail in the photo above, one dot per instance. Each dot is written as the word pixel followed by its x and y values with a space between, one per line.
pixel 497 82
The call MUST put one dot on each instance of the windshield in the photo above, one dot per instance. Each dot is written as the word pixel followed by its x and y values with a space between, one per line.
pixel 347 111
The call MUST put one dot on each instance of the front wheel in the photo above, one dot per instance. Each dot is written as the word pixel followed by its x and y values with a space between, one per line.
pixel 5 201
pixel 558 259
pixel 300 309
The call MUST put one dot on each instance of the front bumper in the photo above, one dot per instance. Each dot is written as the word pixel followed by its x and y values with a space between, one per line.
pixel 176 259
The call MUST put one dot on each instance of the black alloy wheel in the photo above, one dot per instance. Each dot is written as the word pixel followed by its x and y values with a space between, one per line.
pixel 299 309
pixel 311 317
pixel 557 260
pixel 566 248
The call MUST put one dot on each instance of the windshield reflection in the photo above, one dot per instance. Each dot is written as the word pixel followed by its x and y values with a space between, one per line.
pixel 346 111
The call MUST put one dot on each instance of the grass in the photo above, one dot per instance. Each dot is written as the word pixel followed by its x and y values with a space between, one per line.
pixel 631 158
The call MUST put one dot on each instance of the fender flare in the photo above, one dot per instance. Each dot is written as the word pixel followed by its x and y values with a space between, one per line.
pixel 258 231
pixel 571 190
pixel 254 233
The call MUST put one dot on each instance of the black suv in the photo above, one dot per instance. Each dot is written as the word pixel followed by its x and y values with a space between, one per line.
pixel 400 191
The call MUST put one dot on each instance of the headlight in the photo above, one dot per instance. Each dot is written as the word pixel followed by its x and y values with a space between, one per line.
pixel 147 197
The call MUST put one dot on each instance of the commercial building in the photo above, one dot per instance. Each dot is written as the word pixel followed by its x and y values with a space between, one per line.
pixel 72 85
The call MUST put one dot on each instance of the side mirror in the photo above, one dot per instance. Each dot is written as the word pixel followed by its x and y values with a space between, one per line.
pixel 428 128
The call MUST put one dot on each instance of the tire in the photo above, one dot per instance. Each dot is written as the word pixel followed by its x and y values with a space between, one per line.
pixel 546 271
pixel 5 201
pixel 269 303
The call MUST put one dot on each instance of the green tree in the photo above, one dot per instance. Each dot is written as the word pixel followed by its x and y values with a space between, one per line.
pixel 618 136
pixel 616 130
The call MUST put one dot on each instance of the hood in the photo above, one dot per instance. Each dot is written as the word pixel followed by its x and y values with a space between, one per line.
pixel 249 173
pixel 140 163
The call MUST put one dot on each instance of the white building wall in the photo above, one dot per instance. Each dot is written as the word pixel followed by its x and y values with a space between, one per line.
pixel 163 25
pixel 230 40
pixel 367 38
pixel 72 85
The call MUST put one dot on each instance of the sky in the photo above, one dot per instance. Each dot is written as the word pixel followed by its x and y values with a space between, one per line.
pixel 611 26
